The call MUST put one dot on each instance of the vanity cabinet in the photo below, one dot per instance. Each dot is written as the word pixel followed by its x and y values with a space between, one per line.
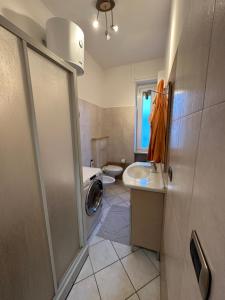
pixel 146 219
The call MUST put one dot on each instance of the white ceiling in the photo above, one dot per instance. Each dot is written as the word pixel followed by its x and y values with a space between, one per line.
pixel 143 29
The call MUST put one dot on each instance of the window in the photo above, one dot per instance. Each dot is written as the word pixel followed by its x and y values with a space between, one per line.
pixel 143 111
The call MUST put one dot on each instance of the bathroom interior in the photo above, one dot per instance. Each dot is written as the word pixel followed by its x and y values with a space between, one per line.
pixel 112 142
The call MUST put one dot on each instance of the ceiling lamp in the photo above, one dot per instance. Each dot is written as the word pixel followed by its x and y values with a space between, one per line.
pixel 106 6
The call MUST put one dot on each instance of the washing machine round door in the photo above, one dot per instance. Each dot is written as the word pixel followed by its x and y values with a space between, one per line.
pixel 94 197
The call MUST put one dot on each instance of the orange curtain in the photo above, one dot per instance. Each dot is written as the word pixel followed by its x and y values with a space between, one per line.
pixel 158 123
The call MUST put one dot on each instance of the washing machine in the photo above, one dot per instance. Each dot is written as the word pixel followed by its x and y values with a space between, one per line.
pixel 92 197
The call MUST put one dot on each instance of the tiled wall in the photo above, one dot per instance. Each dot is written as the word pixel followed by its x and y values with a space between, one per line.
pixel 196 196
pixel 117 123
pixel 119 126
pixel 91 125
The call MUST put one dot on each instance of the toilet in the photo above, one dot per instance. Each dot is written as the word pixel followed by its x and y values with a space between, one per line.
pixel 112 170
pixel 100 157
pixel 107 180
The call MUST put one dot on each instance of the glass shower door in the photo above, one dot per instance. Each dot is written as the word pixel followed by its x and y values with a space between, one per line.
pixel 51 96
pixel 25 266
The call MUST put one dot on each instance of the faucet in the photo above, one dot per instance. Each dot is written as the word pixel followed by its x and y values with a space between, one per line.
pixel 153 164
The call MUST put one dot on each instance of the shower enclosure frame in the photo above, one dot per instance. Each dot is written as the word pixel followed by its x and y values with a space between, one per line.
pixel 69 277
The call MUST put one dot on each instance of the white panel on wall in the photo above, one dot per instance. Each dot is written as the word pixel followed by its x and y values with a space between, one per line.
pixel 120 82
pixel 91 84
pixel 147 70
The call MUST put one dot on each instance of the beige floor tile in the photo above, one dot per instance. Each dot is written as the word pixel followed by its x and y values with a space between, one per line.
pixel 139 268
pixel 153 257
pixel 105 210
pixel 113 283
pixel 94 239
pixel 84 290
pixel 105 204
pixel 125 196
pixel 123 250
pixel 124 203
pixel 125 199
pixel 102 254
pixel 151 291
pixel 108 192
pixel 86 271
pixel 115 200
pixel 119 189
pixel 116 188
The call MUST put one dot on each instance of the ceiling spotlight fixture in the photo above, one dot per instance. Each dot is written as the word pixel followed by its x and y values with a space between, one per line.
pixel 106 6
pixel 96 22
pixel 114 27
pixel 108 37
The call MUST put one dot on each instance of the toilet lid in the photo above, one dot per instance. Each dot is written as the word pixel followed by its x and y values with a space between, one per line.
pixel 107 179
pixel 113 168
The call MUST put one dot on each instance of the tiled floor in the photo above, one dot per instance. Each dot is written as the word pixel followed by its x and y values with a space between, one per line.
pixel 114 271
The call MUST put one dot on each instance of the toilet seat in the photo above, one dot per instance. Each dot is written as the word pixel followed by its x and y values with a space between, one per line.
pixel 106 180
pixel 112 168
pixel 112 171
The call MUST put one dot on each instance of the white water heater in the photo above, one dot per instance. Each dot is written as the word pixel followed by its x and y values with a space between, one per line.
pixel 66 39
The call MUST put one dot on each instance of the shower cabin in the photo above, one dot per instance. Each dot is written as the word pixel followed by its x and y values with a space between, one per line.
pixel 41 232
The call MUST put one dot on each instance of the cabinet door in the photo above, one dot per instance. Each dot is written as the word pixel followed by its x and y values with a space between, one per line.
pixel 25 270
pixel 50 84
pixel 146 219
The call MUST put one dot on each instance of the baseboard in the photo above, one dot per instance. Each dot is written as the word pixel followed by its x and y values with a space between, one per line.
pixel 71 275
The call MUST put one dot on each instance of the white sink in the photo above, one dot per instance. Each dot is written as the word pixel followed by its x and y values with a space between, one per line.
pixel 138 172
pixel 141 176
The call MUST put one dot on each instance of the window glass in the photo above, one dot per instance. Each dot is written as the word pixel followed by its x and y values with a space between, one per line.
pixel 143 112
pixel 145 132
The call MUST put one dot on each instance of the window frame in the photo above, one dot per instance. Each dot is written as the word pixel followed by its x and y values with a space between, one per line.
pixel 140 88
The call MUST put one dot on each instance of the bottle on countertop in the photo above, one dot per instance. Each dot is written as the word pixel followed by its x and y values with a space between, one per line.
pixel 92 163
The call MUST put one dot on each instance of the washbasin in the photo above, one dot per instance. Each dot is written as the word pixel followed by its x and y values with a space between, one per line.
pixel 144 176
pixel 138 172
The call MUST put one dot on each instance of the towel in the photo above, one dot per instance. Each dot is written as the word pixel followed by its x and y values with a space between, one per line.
pixel 158 122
